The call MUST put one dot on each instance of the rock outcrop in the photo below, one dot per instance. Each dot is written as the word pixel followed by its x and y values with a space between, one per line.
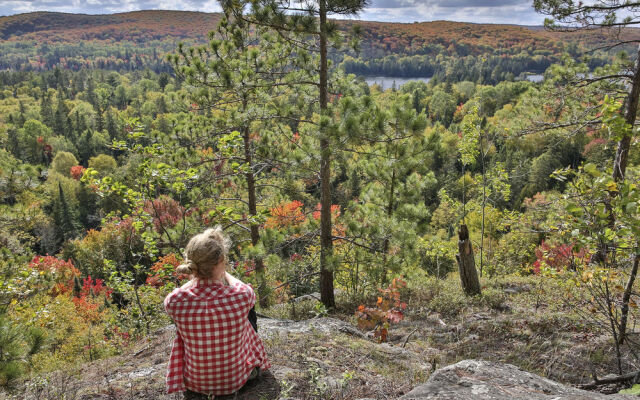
pixel 269 326
pixel 140 372
pixel 485 380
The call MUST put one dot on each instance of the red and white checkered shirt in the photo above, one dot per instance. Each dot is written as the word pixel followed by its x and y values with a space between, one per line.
pixel 216 347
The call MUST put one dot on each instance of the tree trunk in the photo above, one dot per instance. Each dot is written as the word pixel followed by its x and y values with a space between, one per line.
pixel 326 240
pixel 626 297
pixel 622 152
pixel 484 204
pixel 630 112
pixel 253 211
pixel 612 313
pixel 466 263
pixel 386 240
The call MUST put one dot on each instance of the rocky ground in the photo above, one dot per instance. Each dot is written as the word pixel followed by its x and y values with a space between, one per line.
pixel 329 358
pixel 318 358
pixel 485 380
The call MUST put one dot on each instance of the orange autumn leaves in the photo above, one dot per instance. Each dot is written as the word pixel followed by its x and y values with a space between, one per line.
pixel 164 271
pixel 388 309
pixel 292 214
pixel 286 214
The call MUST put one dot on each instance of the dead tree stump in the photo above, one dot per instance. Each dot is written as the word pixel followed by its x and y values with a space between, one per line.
pixel 467 263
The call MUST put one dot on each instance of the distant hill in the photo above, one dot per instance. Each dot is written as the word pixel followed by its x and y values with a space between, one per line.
pixel 134 26
pixel 40 40
pixel 138 26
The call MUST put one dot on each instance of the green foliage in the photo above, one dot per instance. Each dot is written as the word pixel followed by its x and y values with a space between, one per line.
pixel 13 348
pixel 62 163
pixel 441 107
pixel 438 253
pixel 33 135
pixel 514 253
pixel 103 163
pixel 471 131
pixel 635 389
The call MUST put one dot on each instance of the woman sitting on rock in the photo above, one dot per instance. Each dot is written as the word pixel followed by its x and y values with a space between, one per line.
pixel 216 350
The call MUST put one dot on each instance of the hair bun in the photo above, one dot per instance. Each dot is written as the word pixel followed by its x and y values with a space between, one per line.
pixel 189 267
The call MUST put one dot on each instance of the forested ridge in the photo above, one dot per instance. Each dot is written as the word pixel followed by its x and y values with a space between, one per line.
pixel 340 198
pixel 450 51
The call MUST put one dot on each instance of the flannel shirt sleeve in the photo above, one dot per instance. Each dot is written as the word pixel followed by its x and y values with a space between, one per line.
pixel 175 369
pixel 249 296
pixel 168 303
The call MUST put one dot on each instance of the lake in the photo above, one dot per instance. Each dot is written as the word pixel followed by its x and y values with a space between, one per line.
pixel 386 82
pixel 535 78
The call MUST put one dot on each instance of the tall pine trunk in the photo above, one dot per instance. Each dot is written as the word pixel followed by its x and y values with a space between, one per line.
pixel 386 240
pixel 484 204
pixel 253 211
pixel 326 240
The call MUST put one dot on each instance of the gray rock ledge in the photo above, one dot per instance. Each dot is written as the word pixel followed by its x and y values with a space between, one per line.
pixel 485 380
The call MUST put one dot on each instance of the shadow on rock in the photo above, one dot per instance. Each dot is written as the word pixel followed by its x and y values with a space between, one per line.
pixel 266 387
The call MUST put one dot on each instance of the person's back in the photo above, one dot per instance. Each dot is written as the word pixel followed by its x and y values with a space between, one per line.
pixel 216 348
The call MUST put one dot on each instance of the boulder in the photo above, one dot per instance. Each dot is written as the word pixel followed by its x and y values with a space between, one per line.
pixel 485 380
pixel 269 327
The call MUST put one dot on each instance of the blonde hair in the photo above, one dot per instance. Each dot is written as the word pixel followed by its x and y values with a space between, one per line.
pixel 205 251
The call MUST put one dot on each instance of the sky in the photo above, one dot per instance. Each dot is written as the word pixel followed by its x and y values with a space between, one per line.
pixel 481 11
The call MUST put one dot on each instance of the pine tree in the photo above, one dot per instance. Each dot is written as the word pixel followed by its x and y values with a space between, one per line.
pixel 88 210
pixel 65 219
pixel 61 124
pixel 244 69
pixel 161 105
pixel 312 20
pixel 396 176
pixel 46 111
pixel 12 351
pixel 416 101
pixel 163 125
pixel 85 146
pixel 13 144
pixel 60 82
pixel 99 121
pixel 91 95
pixel 111 127
pixel 163 80
pixel 21 114
pixel 120 97
pixel 42 83
pixel 79 125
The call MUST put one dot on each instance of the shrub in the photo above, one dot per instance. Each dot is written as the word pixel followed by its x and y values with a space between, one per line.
pixel 62 163
pixel 513 254
pixel 389 309
pixel 164 272
pixel 77 171
pixel 62 274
